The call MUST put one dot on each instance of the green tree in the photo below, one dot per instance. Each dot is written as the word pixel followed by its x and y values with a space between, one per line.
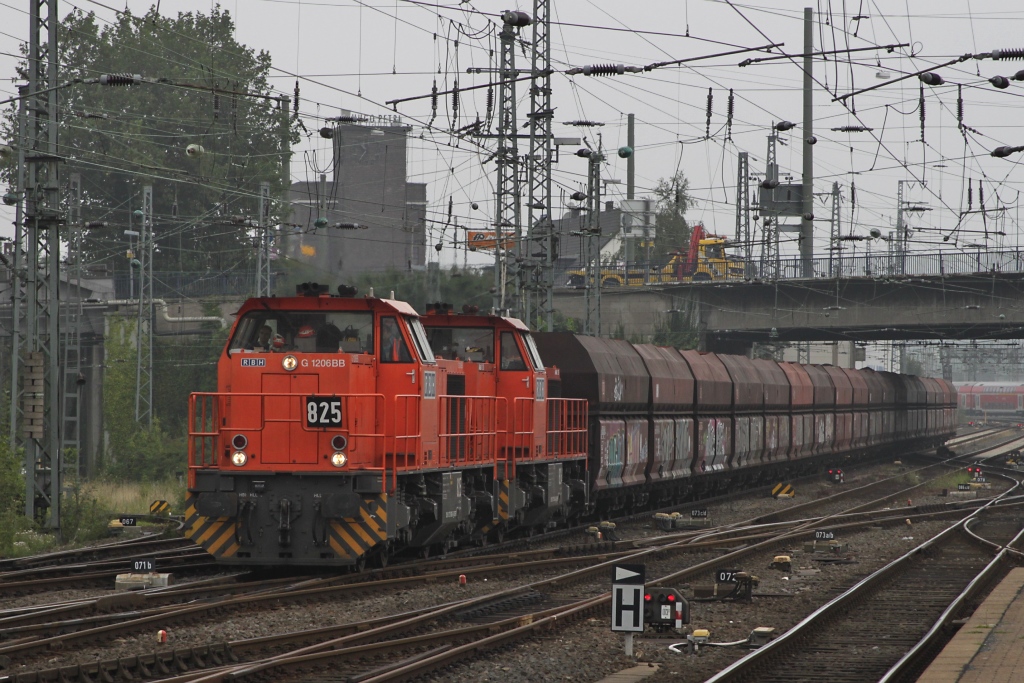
pixel 133 452
pixel 12 497
pixel 671 229
pixel 456 287
pixel 122 138
pixel 914 367
pixel 182 365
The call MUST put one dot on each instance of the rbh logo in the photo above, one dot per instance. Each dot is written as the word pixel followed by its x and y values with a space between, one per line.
pixel 254 362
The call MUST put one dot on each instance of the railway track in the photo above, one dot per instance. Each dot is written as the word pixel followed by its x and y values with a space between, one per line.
pixel 881 627
pixel 29 631
pixel 25 640
pixel 132 547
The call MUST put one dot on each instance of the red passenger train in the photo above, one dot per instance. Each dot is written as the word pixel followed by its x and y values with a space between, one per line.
pixel 345 430
pixel 991 400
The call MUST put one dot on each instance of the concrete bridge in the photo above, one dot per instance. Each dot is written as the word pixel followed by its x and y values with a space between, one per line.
pixel 731 317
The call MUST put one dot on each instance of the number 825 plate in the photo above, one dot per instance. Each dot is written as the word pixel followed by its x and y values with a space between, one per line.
pixel 323 411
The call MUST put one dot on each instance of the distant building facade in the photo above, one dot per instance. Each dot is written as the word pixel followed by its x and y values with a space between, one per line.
pixel 366 186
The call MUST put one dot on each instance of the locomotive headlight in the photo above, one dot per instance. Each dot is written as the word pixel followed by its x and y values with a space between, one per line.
pixel 339 459
pixel 239 458
pixel 289 363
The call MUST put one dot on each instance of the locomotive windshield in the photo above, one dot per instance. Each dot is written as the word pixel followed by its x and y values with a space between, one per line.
pixel 531 348
pixel 304 331
pixel 419 338
pixel 472 344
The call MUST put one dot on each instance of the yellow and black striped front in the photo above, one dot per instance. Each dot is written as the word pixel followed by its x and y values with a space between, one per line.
pixel 255 534
pixel 351 538
pixel 216 535
pixel 503 509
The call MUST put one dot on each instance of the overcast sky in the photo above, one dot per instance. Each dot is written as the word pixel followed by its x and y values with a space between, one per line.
pixel 356 56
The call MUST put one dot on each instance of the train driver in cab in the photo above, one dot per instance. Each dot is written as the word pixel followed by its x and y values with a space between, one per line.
pixel 392 346
pixel 266 340
pixel 511 358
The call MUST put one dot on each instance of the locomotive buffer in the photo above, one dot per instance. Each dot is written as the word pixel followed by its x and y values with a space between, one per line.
pixel 628 601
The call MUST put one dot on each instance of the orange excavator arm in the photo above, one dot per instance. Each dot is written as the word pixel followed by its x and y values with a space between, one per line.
pixel 689 266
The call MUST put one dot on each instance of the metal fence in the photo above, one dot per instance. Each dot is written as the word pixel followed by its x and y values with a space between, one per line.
pixel 884 264
pixel 887 264
pixel 177 285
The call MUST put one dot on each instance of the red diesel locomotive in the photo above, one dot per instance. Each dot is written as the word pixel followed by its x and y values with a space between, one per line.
pixel 337 435
pixel 347 429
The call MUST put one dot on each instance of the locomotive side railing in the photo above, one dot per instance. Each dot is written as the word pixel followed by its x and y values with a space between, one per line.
pixel 468 429
pixel 212 413
pixel 203 429
pixel 404 443
pixel 520 435
pixel 567 427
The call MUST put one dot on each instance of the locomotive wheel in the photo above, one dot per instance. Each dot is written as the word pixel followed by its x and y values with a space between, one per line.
pixel 382 559
pixel 360 566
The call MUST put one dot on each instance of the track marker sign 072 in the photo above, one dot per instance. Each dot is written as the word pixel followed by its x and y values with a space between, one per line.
pixel 628 597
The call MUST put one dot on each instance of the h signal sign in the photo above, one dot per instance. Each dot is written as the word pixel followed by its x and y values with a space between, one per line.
pixel 628 597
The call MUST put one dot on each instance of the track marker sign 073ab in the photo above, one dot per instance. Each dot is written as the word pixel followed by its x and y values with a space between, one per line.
pixel 628 597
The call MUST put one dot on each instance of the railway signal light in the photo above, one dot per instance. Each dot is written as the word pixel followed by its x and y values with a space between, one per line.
pixel 665 608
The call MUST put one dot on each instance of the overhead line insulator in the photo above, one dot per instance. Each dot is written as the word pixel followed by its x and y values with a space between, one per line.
pixel 604 70
pixel 959 107
pixel 1015 53
pixel 730 109
pixel 711 98
pixel 117 80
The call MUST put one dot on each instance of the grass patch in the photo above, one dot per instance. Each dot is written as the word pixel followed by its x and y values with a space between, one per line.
pixel 86 509
pixel 135 497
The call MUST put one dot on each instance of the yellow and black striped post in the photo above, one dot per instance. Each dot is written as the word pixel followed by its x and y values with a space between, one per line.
pixel 159 507
pixel 783 491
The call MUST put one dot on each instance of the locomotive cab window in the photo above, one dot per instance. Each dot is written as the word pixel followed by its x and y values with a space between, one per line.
pixel 471 344
pixel 531 350
pixel 511 356
pixel 419 339
pixel 307 332
pixel 393 348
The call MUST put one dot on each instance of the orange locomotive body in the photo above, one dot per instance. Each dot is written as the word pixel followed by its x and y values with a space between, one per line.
pixel 343 431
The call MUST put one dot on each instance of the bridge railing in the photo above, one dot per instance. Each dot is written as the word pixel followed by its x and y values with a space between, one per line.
pixel 890 264
pixel 883 264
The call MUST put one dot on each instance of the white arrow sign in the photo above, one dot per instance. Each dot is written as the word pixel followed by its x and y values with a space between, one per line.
pixel 621 574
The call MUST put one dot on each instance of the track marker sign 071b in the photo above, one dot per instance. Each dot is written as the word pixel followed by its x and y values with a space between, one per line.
pixel 628 597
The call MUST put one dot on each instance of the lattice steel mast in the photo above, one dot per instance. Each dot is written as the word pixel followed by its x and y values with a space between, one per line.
pixel 592 293
pixel 263 249
pixel 39 370
pixel 540 226
pixel 743 207
pixel 835 253
pixel 71 341
pixel 507 192
pixel 769 219
pixel 144 324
